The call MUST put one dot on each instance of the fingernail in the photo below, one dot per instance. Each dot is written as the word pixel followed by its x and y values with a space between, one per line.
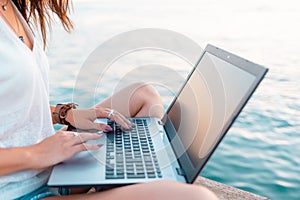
pixel 99 145
pixel 108 128
pixel 100 132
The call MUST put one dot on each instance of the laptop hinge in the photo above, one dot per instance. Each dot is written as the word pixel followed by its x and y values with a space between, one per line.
pixel 180 171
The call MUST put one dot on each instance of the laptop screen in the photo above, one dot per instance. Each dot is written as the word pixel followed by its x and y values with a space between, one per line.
pixel 207 104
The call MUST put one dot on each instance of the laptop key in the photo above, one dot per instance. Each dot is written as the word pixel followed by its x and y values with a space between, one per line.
pixel 136 176
pixel 113 177
pixel 151 176
pixel 109 173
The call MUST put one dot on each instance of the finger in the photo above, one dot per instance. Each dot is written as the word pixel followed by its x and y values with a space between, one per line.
pixel 64 128
pixel 121 117
pixel 101 127
pixel 89 125
pixel 83 137
pixel 125 120
pixel 86 147
pixel 122 122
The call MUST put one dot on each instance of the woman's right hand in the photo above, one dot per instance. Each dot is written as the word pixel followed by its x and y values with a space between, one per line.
pixel 60 147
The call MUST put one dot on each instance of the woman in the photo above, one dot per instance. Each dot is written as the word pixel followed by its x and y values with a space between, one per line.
pixel 28 144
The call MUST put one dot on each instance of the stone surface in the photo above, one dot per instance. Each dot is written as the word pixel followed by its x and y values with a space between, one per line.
pixel 225 192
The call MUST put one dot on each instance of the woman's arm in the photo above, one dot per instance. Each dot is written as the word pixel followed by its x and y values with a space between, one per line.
pixel 84 118
pixel 50 151
pixel 14 159
pixel 52 109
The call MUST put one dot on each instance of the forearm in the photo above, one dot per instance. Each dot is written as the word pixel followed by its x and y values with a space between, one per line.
pixel 15 159
pixel 52 109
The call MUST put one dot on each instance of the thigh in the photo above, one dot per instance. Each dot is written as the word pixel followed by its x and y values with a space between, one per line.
pixel 158 190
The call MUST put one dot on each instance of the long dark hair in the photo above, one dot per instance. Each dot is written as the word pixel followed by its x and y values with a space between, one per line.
pixel 40 12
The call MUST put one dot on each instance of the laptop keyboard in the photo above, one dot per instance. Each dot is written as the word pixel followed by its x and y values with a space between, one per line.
pixel 131 154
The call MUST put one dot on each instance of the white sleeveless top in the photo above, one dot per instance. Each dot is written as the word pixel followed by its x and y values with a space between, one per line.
pixel 25 117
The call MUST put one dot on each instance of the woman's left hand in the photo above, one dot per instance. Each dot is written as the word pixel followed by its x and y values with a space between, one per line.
pixel 84 119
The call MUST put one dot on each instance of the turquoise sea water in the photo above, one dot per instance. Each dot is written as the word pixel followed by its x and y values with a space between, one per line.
pixel 260 153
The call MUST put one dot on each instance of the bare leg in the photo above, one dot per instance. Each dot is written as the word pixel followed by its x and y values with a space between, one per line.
pixel 136 100
pixel 158 190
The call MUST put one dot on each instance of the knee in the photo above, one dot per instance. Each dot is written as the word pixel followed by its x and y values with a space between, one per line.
pixel 200 192
pixel 175 190
pixel 146 90
pixel 194 192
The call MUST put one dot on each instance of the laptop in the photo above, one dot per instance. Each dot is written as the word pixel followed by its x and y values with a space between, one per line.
pixel 178 146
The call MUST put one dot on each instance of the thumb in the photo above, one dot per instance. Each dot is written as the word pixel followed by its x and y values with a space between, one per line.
pixel 102 127
pixel 64 128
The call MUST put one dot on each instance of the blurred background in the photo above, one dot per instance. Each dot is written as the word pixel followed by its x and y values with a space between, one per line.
pixel 260 153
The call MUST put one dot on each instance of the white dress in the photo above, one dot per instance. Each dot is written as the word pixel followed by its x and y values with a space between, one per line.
pixel 25 117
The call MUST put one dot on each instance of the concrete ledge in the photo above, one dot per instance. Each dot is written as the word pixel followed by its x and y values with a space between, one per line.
pixel 225 192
